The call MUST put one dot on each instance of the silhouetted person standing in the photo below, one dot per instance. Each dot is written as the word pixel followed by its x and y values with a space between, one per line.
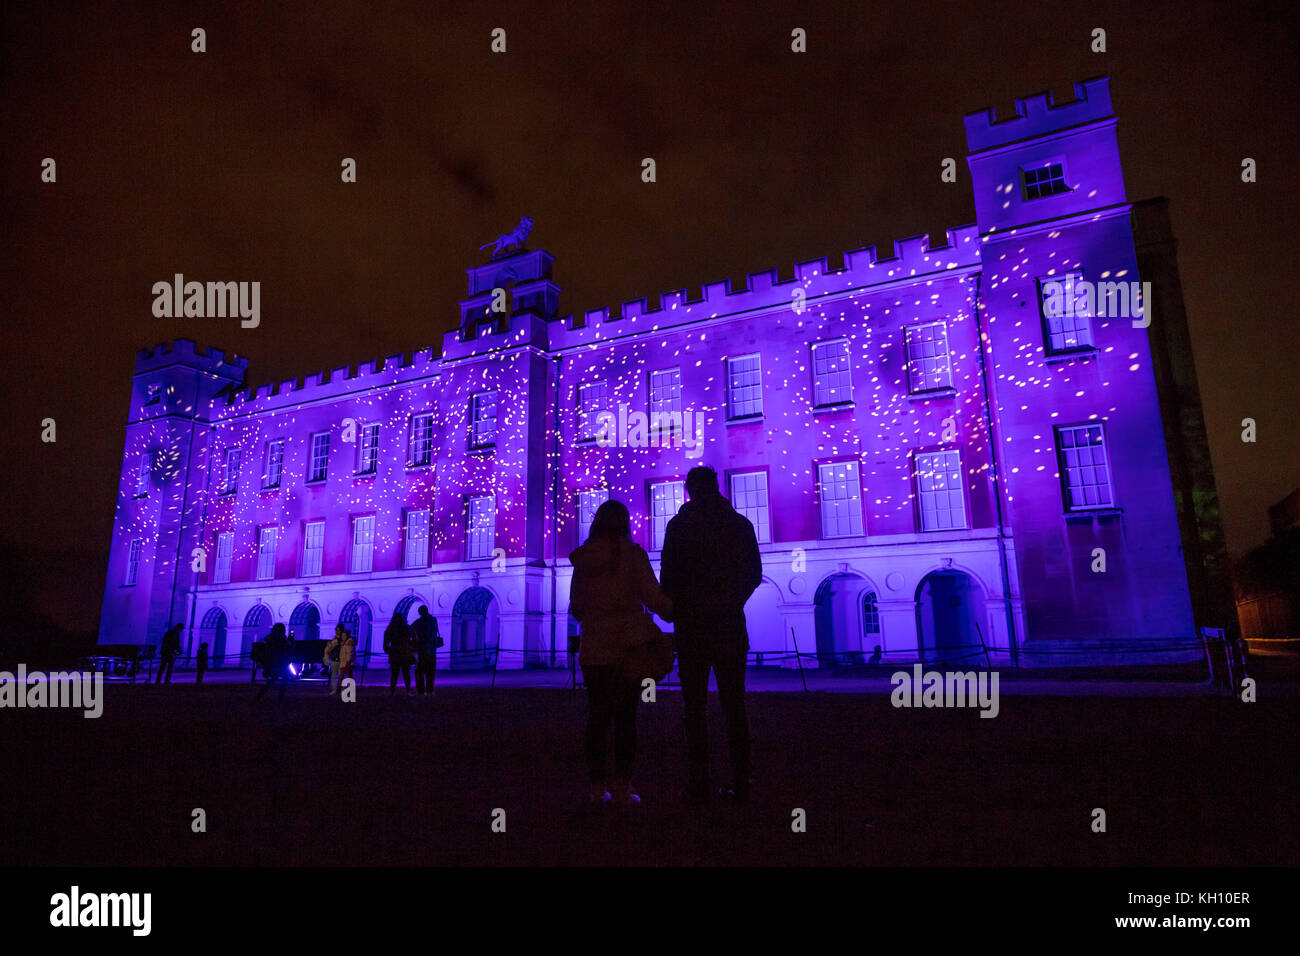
pixel 711 566
pixel 426 650
pixel 332 652
pixel 397 645
pixel 171 646
pixel 613 584
pixel 201 663
pixel 275 651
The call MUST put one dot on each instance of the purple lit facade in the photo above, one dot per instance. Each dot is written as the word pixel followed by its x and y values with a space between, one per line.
pixel 929 460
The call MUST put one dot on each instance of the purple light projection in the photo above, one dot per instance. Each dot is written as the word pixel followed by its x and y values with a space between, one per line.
pixel 924 510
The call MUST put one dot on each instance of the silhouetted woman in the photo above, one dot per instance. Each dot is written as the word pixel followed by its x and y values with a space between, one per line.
pixel 400 651
pixel 613 584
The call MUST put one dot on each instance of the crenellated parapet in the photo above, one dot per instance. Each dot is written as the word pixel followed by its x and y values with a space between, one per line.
pixel 912 258
pixel 186 352
pixel 333 383
pixel 1040 115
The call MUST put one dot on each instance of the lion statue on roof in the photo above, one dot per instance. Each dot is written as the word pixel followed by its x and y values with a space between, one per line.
pixel 514 238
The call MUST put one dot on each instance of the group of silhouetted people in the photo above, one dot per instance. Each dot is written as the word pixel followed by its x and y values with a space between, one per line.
pixel 410 645
pixel 710 567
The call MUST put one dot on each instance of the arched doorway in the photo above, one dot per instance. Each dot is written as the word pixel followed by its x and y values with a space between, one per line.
pixel 949 607
pixel 213 631
pixel 357 617
pixel 408 607
pixel 257 624
pixel 475 628
pixel 838 616
pixel 304 623
pixel 766 627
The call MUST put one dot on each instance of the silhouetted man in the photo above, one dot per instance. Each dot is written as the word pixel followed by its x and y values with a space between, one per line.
pixel 275 660
pixel 711 566
pixel 427 642
pixel 171 646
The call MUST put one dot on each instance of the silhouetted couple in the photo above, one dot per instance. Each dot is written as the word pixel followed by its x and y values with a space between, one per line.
pixel 710 567
pixel 407 644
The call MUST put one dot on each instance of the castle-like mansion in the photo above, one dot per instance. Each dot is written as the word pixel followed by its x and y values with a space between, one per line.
pixel 944 450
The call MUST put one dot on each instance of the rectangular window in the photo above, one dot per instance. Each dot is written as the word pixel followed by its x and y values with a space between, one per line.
pixel 592 400
pixel 225 555
pixel 267 540
pixel 421 439
pixel 142 473
pixel 938 491
pixel 928 369
pixel 1085 472
pixel 665 499
pixel 744 387
pixel 841 499
pixel 133 560
pixel 230 479
pixel 416 550
pixel 318 465
pixel 483 420
pixel 368 450
pixel 832 384
pixel 154 395
pixel 588 501
pixel 1063 304
pixel 313 548
pixel 274 464
pixel 480 527
pixel 1045 180
pixel 666 401
pixel 363 543
pixel 749 497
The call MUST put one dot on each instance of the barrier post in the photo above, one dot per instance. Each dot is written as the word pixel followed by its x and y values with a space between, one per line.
pixel 799 657
pixel 987 663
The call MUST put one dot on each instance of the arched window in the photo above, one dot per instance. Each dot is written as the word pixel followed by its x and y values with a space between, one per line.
pixel 870 614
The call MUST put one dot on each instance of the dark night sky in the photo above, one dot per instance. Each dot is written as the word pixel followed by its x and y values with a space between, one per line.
pixel 225 166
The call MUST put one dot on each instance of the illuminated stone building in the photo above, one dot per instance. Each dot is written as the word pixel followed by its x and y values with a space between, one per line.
pixel 939 457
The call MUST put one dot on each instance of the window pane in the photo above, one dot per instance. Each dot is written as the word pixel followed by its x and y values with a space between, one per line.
pixel 320 451
pixel 588 502
pixel 417 539
pixel 928 366
pixel 841 499
pixel 831 377
pixel 480 527
pixel 665 499
pixel 483 420
pixel 1085 476
pixel 749 497
pixel 939 491
pixel 744 387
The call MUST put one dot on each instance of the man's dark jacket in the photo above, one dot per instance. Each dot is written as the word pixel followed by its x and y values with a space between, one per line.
pixel 426 633
pixel 710 567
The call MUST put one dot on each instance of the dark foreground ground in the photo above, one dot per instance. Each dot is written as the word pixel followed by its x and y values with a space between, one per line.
pixel 1183 780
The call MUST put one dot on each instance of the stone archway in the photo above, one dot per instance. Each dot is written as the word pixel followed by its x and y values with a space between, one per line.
pixel 475 628
pixel 949 609
pixel 212 630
